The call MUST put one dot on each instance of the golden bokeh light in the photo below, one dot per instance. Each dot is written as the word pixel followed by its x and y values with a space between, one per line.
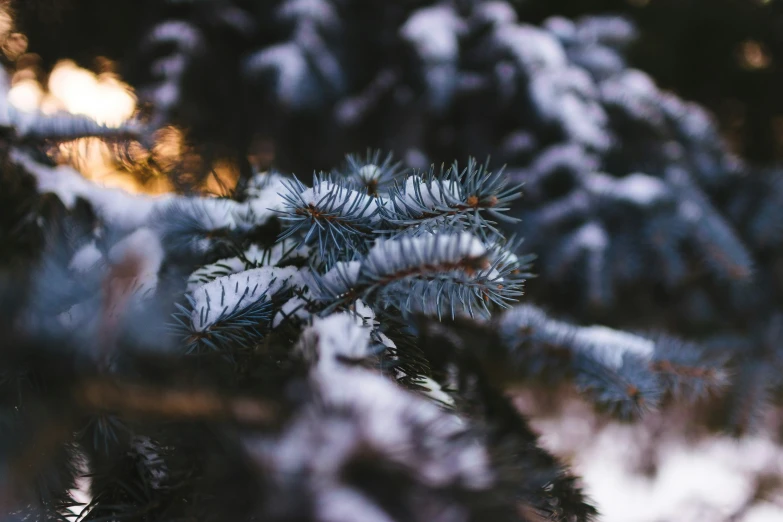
pixel 105 98
pixel 73 89
pixel 753 55
pixel 102 97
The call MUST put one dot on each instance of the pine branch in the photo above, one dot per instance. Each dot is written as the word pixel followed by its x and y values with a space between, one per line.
pixel 441 273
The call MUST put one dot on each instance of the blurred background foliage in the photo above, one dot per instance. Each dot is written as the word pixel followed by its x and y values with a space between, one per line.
pixel 723 54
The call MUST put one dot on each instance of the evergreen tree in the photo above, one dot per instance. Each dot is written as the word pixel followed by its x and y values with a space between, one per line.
pixel 342 348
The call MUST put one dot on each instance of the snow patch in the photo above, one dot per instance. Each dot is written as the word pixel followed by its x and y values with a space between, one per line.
pixel 235 292
pixel 85 258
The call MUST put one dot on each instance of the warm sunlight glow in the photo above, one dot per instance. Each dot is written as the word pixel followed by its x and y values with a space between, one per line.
pixel 102 97
pixel 107 99
pixel 26 94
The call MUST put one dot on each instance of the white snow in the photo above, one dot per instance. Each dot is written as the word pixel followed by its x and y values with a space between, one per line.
pixel 382 405
pixel 635 91
pixel 154 464
pixel 433 390
pixel 697 480
pixel 397 254
pixel 265 198
pixel 533 48
pixel 238 291
pixel 128 211
pixel 637 188
pixel 605 344
pixel 116 206
pixel 344 504
pixel 433 33
pixel 293 78
pixel 85 258
pixel 369 172
pixel 569 96
pixel 323 14
pixel 561 27
pixel 641 189
pixel 232 265
pixel 496 12
pixel 431 193
pixel 294 307
pixel 329 197
pixel 609 346
pixel 364 312
pixel 591 236
pixel 216 212
pixel 212 271
pixel 341 277
pixel 336 337
pixel 144 246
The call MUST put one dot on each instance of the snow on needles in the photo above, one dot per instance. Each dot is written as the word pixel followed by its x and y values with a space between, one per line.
pixel 233 293
pixel 128 211
pixel 391 256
